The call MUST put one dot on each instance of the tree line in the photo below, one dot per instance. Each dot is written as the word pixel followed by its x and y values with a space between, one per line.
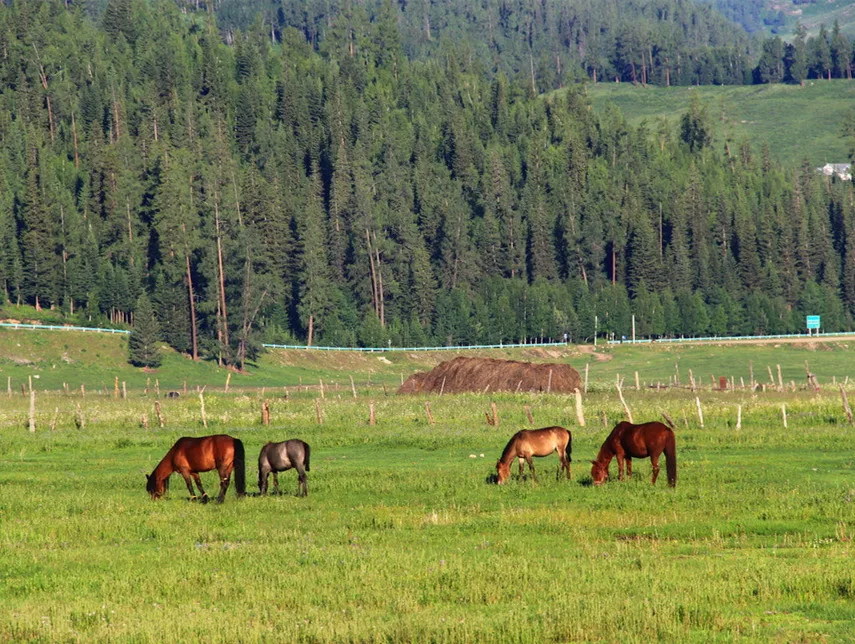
pixel 264 191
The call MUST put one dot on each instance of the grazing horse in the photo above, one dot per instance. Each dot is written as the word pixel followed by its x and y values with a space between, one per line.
pixel 189 456
pixel 535 442
pixel 278 457
pixel 628 441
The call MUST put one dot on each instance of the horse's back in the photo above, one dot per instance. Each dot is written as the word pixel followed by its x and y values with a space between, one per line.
pixel 202 453
pixel 539 442
pixel 640 440
pixel 285 455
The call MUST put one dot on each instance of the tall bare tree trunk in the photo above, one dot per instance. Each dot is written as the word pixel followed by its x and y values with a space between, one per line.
pixel 221 276
pixel 194 341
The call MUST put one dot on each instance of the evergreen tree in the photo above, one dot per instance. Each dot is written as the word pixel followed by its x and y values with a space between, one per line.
pixel 143 341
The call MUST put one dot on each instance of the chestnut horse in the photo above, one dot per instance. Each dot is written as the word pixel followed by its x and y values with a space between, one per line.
pixel 189 456
pixel 628 441
pixel 535 442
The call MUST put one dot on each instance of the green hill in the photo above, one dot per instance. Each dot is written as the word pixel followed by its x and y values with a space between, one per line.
pixel 796 123
pixel 96 360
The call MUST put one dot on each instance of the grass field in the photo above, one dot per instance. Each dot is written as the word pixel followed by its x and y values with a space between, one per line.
pixel 796 123
pixel 402 538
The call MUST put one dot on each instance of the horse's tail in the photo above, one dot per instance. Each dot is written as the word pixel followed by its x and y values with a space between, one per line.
pixel 671 459
pixel 308 453
pixel 239 467
pixel 568 448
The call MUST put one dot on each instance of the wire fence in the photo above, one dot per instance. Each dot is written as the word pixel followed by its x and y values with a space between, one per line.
pixel 60 327
pixel 466 347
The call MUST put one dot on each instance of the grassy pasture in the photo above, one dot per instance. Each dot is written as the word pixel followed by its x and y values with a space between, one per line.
pixel 402 539
pixel 796 123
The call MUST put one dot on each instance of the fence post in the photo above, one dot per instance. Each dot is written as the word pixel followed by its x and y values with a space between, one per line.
pixel 700 411
pixel 846 407
pixel 202 405
pixel 580 415
pixel 32 409
pixel 429 415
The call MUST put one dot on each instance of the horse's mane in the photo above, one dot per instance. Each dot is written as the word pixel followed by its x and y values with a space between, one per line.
pixel 509 447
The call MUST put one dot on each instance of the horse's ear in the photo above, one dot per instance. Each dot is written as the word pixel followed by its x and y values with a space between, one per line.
pixel 147 477
pixel 594 462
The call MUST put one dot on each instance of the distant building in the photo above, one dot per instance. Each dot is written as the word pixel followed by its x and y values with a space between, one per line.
pixel 840 170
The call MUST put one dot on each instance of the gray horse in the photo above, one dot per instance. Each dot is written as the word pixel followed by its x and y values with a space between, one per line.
pixel 278 457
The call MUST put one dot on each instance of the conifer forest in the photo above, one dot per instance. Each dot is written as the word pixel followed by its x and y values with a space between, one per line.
pixel 376 172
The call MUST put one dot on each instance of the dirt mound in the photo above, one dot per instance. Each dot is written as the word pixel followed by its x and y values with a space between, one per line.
pixel 488 374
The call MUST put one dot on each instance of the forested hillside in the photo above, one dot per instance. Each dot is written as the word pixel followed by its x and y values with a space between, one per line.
pixel 269 189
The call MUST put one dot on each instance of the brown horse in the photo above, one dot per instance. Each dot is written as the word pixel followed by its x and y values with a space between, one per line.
pixel 535 442
pixel 628 441
pixel 189 456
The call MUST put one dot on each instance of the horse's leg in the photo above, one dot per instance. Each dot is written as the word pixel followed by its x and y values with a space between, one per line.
pixel 275 482
pixel 189 481
pixel 302 489
pixel 225 477
pixel 654 460
pixel 628 467
pixel 620 463
pixel 521 461
pixel 531 468
pixel 564 464
pixel 203 495
pixel 263 475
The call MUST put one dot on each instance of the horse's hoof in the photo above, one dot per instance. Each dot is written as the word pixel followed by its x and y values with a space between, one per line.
pixel 204 499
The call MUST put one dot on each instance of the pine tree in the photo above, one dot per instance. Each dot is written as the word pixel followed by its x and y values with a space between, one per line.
pixel 143 342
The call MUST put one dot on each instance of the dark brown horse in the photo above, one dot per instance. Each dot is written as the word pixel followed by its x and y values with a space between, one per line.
pixel 189 456
pixel 535 442
pixel 628 441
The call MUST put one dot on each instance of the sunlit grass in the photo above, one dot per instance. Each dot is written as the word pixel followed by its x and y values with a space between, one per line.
pixel 402 539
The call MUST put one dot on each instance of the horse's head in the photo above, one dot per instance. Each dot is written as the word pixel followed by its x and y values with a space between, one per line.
pixel 599 472
pixel 153 488
pixel 503 471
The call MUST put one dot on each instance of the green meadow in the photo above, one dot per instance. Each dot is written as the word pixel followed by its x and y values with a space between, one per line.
pixel 796 123
pixel 402 537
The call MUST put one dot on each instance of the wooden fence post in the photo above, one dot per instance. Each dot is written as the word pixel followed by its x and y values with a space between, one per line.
pixel 739 417
pixel 700 411
pixel 319 414
pixel 623 402
pixel 202 405
pixel 580 415
pixel 528 415
pixel 32 409
pixel 265 413
pixel 784 414
pixel 228 380
pixel 352 387
pixel 846 407
pixel 587 364
pixel 159 413
pixel 427 411
pixel 372 420
pixel 55 417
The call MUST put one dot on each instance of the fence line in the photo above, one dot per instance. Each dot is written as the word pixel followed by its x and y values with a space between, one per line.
pixel 59 327
pixel 729 338
pixel 62 327
pixel 385 349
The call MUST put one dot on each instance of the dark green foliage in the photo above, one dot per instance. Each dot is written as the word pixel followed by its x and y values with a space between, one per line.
pixel 257 188
pixel 143 349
